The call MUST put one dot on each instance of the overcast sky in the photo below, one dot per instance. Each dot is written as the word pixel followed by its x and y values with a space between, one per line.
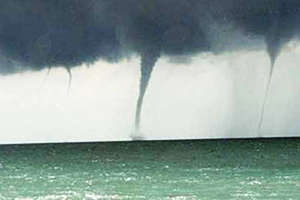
pixel 209 96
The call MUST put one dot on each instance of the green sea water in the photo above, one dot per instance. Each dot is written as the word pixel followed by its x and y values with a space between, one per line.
pixel 206 169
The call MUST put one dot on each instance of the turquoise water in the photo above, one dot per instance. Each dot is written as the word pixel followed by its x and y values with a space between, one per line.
pixel 211 169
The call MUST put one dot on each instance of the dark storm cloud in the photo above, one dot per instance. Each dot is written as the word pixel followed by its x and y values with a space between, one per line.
pixel 48 33
pixel 37 34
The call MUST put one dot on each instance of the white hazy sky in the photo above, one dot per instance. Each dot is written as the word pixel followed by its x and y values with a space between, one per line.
pixel 212 96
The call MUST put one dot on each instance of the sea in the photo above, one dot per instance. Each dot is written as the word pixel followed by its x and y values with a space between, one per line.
pixel 195 169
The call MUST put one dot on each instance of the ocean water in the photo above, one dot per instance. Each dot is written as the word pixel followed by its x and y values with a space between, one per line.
pixel 205 169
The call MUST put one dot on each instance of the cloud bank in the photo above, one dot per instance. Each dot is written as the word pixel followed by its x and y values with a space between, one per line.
pixel 67 33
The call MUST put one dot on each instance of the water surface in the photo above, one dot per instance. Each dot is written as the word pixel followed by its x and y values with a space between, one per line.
pixel 207 169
